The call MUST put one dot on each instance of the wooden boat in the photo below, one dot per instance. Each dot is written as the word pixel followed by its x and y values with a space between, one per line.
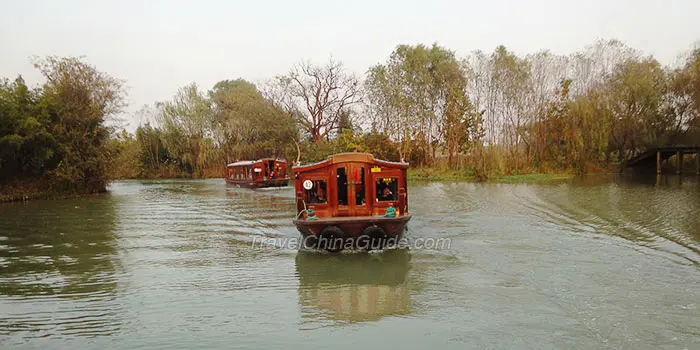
pixel 351 200
pixel 265 172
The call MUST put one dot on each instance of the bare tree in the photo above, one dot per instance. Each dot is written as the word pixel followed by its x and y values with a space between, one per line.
pixel 317 95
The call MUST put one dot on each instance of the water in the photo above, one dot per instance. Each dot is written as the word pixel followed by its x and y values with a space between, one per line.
pixel 173 264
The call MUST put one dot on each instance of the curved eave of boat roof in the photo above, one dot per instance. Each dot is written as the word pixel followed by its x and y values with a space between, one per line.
pixel 251 162
pixel 349 157
pixel 311 165
pixel 243 162
pixel 390 163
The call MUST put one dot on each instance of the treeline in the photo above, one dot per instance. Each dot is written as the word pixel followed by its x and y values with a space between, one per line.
pixel 483 115
pixel 308 114
pixel 500 113
pixel 197 132
pixel 54 139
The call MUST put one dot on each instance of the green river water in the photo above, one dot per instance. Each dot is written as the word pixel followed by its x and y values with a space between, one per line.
pixel 178 264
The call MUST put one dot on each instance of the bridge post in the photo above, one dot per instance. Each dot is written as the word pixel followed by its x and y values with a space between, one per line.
pixel 679 158
pixel 658 162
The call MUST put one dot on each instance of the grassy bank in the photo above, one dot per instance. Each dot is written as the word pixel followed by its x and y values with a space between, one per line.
pixel 531 178
pixel 38 189
pixel 414 175
pixel 438 174
pixel 167 173
pixel 42 190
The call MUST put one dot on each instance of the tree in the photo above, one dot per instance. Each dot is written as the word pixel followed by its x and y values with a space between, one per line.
pixel 637 89
pixel 246 124
pixel 27 147
pixel 419 98
pixel 185 122
pixel 683 100
pixel 317 96
pixel 79 99
pixel 153 155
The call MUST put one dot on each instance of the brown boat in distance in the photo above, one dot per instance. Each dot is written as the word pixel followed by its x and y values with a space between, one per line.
pixel 351 200
pixel 265 172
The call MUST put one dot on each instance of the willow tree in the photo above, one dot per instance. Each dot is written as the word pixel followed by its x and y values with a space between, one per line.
pixel 637 89
pixel 186 121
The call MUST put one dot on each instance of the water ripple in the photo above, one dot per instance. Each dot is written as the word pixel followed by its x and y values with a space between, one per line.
pixel 172 264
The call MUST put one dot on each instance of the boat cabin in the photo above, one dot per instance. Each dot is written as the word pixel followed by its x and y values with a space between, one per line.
pixel 266 172
pixel 351 184
pixel 349 192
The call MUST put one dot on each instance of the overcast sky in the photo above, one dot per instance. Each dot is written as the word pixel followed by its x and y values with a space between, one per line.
pixel 158 46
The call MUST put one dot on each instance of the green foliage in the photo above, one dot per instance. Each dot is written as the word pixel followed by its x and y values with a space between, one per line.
pixel 56 135
pixel 196 134
pixel 185 122
pixel 485 116
pixel 420 96
pixel 125 164
pixel 636 91
pixel 247 125
pixel 27 147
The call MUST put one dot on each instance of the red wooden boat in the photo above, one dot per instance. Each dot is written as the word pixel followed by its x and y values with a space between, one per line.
pixel 265 172
pixel 351 200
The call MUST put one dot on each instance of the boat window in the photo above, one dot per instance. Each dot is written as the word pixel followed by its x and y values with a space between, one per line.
pixel 386 189
pixel 342 179
pixel 317 192
pixel 360 186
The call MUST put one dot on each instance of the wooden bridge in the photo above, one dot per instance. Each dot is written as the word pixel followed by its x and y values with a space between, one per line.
pixel 656 156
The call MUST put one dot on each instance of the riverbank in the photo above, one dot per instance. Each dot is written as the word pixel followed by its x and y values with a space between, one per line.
pixel 414 175
pixel 167 173
pixel 38 190
pixel 433 174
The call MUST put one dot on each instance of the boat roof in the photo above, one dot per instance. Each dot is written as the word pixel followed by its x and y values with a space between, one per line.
pixel 243 162
pixel 350 157
pixel 250 162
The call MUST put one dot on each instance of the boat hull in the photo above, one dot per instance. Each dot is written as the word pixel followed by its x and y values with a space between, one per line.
pixel 352 232
pixel 259 184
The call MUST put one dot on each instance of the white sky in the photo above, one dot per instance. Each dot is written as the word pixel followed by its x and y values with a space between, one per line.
pixel 159 46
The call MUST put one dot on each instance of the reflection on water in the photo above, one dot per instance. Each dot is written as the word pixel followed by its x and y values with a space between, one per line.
pixel 59 268
pixel 353 287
